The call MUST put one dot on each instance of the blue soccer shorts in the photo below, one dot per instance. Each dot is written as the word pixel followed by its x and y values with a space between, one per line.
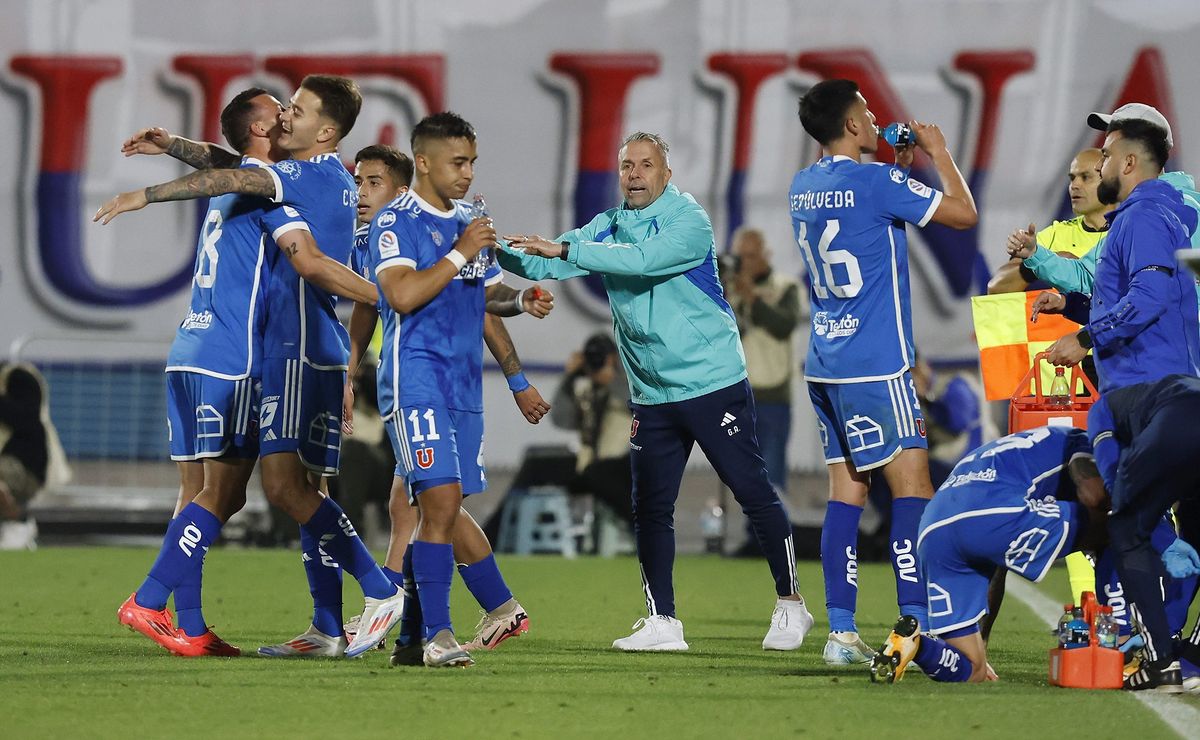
pixel 211 417
pixel 868 423
pixel 301 412
pixel 437 445
pixel 960 550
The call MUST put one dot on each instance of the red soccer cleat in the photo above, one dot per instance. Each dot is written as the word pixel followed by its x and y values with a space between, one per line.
pixel 206 644
pixel 158 624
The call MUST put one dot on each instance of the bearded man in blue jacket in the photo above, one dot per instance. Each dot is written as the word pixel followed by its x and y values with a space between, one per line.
pixel 1141 319
pixel 679 343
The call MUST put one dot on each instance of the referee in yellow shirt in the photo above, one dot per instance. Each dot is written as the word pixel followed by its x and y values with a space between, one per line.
pixel 1074 237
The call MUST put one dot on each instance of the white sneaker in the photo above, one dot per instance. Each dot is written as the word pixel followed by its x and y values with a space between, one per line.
pixel 443 651
pixel 494 629
pixel 658 633
pixel 847 648
pixel 790 622
pixel 312 644
pixel 378 616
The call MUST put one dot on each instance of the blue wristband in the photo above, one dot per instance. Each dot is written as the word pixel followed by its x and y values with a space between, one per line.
pixel 517 383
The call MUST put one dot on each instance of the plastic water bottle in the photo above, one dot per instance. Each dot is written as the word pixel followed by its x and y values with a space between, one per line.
pixel 1078 630
pixel 898 135
pixel 1064 621
pixel 1060 390
pixel 479 208
pixel 1107 628
pixel 712 526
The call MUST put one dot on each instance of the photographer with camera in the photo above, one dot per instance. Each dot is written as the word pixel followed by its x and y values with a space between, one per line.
pixel 593 398
pixel 769 307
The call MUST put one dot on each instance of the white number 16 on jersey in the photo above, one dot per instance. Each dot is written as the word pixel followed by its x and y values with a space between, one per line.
pixel 823 281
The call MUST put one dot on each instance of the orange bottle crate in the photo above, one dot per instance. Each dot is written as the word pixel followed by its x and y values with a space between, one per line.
pixel 1028 412
pixel 1092 667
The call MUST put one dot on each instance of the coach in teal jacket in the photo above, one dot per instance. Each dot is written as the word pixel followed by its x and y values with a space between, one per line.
pixel 658 264
pixel 687 377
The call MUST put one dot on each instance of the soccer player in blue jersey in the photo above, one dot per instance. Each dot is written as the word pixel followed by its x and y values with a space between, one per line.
pixel 1018 504
pixel 433 266
pixel 304 344
pixel 382 174
pixel 849 222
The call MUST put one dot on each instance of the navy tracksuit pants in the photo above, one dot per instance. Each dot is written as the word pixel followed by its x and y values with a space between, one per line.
pixel 723 424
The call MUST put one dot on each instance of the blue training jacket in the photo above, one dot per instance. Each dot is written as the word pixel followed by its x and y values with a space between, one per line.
pixel 1143 319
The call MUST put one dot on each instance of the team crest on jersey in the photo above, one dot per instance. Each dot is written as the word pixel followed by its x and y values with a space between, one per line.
pixel 289 168
pixel 897 175
pixel 389 246
pixel 424 457
pixel 920 188
pixel 633 429
pixel 436 236
pixel 386 219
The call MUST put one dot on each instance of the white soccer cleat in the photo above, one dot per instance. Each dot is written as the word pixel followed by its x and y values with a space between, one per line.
pixel 443 651
pixel 790 622
pixel 656 633
pixel 378 617
pixel 494 629
pixel 847 648
pixel 312 644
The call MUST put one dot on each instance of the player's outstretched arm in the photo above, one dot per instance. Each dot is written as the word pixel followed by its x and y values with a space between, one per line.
pixel 202 184
pixel 322 271
pixel 957 209
pixel 503 300
pixel 533 407
pixel 198 154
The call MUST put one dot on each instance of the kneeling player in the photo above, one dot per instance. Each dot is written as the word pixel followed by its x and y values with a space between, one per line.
pixel 1019 503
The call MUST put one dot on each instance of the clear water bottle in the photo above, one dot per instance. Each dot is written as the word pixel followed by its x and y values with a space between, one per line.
pixel 1063 630
pixel 1079 632
pixel 712 526
pixel 479 207
pixel 1107 629
pixel 1060 390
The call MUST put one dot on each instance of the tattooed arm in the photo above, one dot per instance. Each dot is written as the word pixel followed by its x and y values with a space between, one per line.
pixel 323 271
pixel 533 407
pixel 201 155
pixel 199 184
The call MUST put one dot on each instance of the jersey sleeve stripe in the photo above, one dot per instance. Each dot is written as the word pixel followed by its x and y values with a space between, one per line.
pixel 937 200
pixel 278 197
pixel 395 262
pixel 290 226
pixel 494 280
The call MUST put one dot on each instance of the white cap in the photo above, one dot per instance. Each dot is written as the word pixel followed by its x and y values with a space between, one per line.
pixel 1132 112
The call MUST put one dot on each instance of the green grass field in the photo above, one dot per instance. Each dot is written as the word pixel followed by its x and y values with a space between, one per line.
pixel 68 668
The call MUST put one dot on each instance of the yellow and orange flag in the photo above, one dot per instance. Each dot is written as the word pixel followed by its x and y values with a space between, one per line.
pixel 1008 340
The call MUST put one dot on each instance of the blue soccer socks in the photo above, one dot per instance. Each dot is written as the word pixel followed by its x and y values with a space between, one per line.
pixel 941 661
pixel 485 583
pixel 188 538
pixel 910 585
pixel 332 529
pixel 324 583
pixel 839 563
pixel 433 569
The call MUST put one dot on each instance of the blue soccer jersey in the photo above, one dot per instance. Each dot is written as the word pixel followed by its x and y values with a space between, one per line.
pixel 318 195
pixel 1024 465
pixel 222 333
pixel 433 356
pixel 849 223
pixel 360 257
